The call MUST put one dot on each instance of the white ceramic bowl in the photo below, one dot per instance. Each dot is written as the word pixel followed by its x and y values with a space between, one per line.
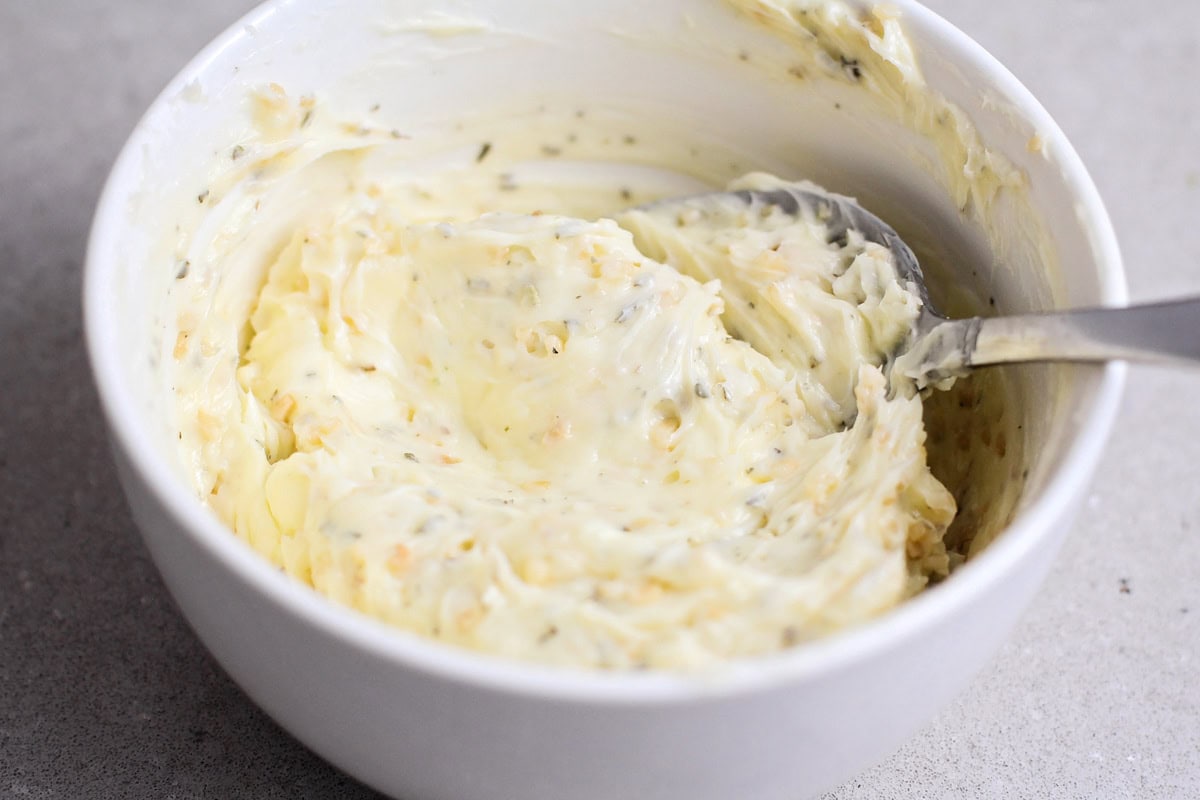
pixel 425 722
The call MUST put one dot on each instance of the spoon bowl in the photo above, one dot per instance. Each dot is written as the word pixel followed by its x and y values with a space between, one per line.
pixel 939 349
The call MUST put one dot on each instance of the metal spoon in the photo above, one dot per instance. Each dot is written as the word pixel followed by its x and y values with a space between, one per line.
pixel 940 349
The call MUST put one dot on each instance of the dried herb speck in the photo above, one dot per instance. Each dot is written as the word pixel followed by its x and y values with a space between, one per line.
pixel 200 198
pixel 237 152
pixel 183 270
pixel 484 149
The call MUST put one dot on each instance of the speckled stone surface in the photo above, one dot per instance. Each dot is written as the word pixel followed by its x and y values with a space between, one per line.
pixel 104 692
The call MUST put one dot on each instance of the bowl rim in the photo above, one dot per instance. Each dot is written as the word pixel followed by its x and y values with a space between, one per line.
pixel 407 650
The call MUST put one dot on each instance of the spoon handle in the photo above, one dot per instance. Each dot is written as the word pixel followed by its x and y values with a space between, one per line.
pixel 1155 332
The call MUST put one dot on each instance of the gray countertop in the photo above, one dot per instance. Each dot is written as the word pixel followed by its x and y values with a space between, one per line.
pixel 104 692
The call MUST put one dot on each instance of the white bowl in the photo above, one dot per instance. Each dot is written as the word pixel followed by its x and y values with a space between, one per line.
pixel 424 722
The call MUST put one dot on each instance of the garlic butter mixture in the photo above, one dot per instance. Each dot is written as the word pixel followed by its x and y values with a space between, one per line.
pixel 524 434
pixel 532 424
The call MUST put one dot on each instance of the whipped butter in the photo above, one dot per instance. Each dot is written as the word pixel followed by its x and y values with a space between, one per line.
pixel 508 415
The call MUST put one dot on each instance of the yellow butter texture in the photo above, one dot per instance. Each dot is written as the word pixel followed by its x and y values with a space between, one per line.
pixel 525 435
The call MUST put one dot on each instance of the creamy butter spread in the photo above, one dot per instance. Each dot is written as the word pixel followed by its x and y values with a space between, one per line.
pixel 869 48
pixel 523 434
pixel 581 437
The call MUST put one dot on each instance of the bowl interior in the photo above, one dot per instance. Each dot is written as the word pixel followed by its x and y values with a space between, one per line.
pixel 722 88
